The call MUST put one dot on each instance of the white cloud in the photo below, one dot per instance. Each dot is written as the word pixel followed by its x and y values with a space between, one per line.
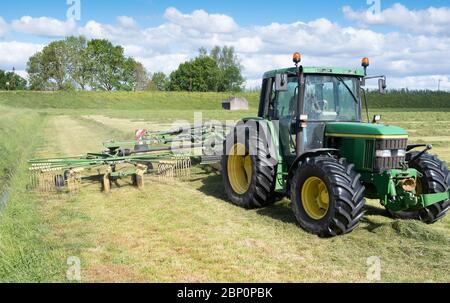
pixel 3 27
pixel 94 30
pixel 412 59
pixel 428 21
pixel 253 83
pixel 202 21
pixel 126 22
pixel 16 54
pixel 163 62
pixel 44 26
pixel 125 31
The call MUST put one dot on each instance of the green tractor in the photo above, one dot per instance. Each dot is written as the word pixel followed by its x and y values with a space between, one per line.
pixel 309 143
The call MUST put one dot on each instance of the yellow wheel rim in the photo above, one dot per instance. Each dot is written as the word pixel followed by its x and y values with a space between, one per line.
pixel 240 169
pixel 315 198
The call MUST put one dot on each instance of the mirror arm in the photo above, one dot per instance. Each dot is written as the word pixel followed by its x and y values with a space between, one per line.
pixel 375 77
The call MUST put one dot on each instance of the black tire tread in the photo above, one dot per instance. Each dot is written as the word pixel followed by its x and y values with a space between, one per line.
pixel 262 191
pixel 347 192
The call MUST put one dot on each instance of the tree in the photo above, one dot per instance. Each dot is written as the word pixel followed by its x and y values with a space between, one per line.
pixel 12 81
pixel 108 67
pixel 141 77
pixel 50 69
pixel 37 74
pixel 79 65
pixel 56 58
pixel 220 71
pixel 75 63
pixel 231 78
pixel 198 75
pixel 202 52
pixel 159 82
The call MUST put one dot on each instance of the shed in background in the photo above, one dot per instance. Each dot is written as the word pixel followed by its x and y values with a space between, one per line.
pixel 235 103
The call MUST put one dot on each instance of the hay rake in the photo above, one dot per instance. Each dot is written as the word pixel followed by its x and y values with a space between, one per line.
pixel 166 154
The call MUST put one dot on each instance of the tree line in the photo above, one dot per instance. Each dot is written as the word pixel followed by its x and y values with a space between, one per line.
pixel 11 81
pixel 76 63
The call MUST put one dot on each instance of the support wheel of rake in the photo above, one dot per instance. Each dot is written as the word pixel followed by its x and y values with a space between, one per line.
pixel 249 179
pixel 149 166
pixel 60 182
pixel 435 179
pixel 327 196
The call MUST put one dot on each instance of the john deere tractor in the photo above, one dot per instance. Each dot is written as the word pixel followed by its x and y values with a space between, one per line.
pixel 309 143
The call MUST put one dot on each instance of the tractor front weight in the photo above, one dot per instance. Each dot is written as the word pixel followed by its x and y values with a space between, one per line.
pixel 396 190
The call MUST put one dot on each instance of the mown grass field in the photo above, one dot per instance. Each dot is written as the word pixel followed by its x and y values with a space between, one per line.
pixel 185 231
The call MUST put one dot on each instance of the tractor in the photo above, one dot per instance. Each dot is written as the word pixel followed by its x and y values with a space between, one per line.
pixel 309 143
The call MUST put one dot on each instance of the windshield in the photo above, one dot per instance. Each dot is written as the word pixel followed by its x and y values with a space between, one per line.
pixel 327 98
pixel 332 98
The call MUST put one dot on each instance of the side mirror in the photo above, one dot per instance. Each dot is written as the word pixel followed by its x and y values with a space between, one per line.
pixel 382 86
pixel 281 82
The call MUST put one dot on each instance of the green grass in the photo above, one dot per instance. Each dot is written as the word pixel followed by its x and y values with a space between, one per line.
pixel 410 100
pixel 193 101
pixel 121 100
pixel 185 231
pixel 24 254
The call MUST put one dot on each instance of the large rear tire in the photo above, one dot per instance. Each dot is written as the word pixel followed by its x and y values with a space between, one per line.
pixel 327 196
pixel 436 179
pixel 249 179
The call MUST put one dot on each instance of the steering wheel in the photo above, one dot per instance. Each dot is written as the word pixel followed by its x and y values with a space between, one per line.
pixel 320 106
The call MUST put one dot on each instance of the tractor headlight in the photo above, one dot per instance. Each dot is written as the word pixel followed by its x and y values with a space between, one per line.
pixel 391 153
pixel 384 153
pixel 401 153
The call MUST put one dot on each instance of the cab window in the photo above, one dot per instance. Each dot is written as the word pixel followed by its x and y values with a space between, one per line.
pixel 284 102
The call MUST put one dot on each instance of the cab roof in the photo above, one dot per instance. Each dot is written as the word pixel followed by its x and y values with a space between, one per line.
pixel 358 72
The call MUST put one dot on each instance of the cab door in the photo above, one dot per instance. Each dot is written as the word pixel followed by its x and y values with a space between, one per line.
pixel 282 107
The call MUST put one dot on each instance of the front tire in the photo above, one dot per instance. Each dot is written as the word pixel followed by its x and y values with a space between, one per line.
pixel 436 179
pixel 327 196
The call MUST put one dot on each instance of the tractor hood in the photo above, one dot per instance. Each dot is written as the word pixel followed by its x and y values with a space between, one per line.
pixel 364 130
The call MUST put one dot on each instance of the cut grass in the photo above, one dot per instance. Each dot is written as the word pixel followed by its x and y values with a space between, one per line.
pixel 194 235
pixel 187 232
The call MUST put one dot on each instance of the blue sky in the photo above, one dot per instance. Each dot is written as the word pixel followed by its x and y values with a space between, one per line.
pixel 245 12
pixel 408 40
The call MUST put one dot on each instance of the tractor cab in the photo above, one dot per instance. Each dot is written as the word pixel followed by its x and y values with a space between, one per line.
pixel 329 95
